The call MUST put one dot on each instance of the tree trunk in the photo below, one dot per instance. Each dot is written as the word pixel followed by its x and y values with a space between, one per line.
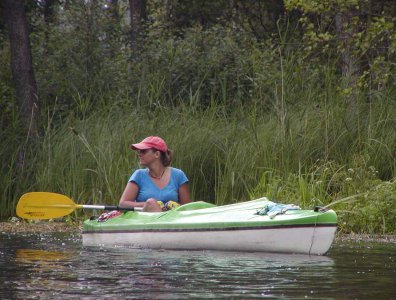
pixel 21 65
pixel 138 17
pixel 346 29
pixel 169 7
pixel 114 10
pixel 348 64
pixel 113 28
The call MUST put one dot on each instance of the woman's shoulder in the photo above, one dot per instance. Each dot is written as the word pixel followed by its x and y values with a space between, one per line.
pixel 176 170
pixel 178 173
pixel 137 174
pixel 140 171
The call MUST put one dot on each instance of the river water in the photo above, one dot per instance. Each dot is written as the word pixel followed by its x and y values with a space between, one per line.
pixel 57 266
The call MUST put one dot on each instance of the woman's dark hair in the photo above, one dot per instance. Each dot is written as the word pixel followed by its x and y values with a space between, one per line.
pixel 166 157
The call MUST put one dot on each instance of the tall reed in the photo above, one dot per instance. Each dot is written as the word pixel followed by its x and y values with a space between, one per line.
pixel 228 157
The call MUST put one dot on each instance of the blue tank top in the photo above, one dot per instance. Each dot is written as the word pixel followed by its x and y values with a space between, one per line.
pixel 147 188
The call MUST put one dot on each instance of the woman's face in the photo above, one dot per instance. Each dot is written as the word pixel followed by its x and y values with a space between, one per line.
pixel 147 156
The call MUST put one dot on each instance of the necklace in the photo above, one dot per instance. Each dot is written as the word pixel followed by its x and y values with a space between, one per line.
pixel 157 177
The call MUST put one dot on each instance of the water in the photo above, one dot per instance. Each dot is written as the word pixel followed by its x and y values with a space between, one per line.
pixel 56 266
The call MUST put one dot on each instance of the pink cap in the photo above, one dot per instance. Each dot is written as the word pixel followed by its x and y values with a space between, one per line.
pixel 154 142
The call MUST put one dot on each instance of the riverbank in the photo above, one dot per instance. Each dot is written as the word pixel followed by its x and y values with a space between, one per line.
pixel 377 238
pixel 39 227
pixel 48 227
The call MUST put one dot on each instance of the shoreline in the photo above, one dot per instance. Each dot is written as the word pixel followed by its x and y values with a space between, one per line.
pixel 63 227
pixel 39 227
pixel 365 237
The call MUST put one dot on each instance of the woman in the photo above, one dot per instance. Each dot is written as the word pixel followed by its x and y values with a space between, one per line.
pixel 155 186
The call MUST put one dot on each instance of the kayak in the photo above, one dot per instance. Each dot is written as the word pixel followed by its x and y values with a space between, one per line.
pixel 246 226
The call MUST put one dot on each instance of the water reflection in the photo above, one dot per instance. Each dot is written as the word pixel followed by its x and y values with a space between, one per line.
pixel 41 257
pixel 55 266
pixel 211 274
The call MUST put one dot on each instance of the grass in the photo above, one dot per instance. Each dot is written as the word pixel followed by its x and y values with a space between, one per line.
pixel 228 158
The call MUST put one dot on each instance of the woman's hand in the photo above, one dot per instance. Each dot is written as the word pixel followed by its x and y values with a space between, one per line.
pixel 152 205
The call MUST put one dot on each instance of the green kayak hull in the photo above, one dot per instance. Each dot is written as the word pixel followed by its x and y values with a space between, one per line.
pixel 201 225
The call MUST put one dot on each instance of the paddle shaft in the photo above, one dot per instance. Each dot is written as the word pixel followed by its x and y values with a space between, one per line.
pixel 105 207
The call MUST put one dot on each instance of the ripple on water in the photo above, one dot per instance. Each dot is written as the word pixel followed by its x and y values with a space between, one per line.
pixel 56 266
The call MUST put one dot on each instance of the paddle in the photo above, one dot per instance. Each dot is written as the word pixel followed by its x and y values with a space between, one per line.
pixel 42 205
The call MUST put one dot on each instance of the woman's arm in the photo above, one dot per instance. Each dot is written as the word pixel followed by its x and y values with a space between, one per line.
pixel 128 198
pixel 184 194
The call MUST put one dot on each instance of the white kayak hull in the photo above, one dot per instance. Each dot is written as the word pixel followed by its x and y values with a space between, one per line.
pixel 302 240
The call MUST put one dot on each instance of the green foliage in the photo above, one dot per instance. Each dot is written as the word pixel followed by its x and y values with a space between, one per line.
pixel 376 213
pixel 363 202
pixel 9 112
pixel 188 13
pixel 361 33
pixel 201 65
pixel 79 60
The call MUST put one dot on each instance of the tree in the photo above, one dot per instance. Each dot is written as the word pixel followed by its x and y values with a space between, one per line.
pixel 48 10
pixel 113 26
pixel 22 66
pixel 346 28
pixel 259 17
pixel 138 17
pixel 360 34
